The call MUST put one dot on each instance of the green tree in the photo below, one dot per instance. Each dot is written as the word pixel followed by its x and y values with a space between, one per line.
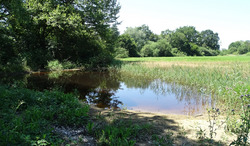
pixel 128 43
pixel 157 49
pixel 190 33
pixel 183 38
pixel 179 40
pixel 209 39
pixel 75 30
pixel 141 35
pixel 239 47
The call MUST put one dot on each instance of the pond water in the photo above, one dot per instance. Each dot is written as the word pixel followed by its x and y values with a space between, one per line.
pixel 115 90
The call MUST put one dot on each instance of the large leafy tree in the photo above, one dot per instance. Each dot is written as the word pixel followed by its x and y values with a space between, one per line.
pixel 142 35
pixel 184 38
pixel 75 30
pixel 128 43
pixel 209 39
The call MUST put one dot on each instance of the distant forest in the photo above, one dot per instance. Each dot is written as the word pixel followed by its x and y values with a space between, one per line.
pixel 34 33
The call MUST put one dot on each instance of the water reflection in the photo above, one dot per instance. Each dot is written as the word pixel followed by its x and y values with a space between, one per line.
pixel 115 90
pixel 159 96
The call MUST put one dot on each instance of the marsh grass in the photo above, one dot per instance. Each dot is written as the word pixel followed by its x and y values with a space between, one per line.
pixel 226 80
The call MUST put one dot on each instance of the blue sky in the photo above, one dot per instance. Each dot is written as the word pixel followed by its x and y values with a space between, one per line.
pixel 229 18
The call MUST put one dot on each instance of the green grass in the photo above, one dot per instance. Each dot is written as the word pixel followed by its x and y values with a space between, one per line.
pixel 199 59
pixel 27 117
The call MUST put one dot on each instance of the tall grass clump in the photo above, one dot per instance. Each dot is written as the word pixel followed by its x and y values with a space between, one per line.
pixel 27 117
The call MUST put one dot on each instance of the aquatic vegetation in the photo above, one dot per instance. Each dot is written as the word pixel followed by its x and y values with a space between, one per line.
pixel 226 80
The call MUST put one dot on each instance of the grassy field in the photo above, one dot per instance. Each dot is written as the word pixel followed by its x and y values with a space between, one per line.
pixel 190 59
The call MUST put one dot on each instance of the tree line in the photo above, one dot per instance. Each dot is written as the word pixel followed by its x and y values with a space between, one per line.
pixel 238 47
pixel 34 33
pixel 184 41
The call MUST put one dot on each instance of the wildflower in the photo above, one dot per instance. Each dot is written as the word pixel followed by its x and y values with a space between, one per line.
pixel 248 106
pixel 232 110
pixel 217 110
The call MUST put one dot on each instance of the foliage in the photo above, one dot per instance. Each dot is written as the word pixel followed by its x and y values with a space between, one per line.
pixel 54 65
pixel 184 41
pixel 121 52
pixel 209 39
pixel 208 52
pixel 127 42
pixel 120 133
pixel 138 35
pixel 213 115
pixel 241 127
pixel 163 140
pixel 157 49
pixel 75 30
pixel 239 47
pixel 27 117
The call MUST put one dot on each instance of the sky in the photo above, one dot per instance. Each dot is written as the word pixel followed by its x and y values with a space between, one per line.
pixel 229 18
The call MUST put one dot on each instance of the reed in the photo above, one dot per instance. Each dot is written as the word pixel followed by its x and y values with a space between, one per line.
pixel 223 78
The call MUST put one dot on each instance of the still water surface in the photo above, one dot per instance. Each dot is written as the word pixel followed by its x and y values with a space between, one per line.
pixel 115 90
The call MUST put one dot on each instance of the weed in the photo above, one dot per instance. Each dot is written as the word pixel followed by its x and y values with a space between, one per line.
pixel 163 140
pixel 201 134
pixel 120 133
pixel 90 126
pixel 243 126
pixel 212 118
pixel 27 117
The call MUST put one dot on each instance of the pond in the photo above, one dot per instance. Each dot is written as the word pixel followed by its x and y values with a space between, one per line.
pixel 116 90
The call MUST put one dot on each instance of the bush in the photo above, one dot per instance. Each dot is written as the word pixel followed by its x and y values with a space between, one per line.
pixel 176 52
pixel 147 50
pixel 54 65
pixel 157 49
pixel 208 52
pixel 121 53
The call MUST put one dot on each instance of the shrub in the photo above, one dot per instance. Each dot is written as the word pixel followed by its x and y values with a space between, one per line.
pixel 121 53
pixel 54 65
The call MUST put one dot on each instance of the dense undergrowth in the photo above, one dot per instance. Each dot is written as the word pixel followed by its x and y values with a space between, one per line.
pixel 27 116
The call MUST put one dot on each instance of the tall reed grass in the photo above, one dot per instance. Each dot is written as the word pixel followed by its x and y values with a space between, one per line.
pixel 227 81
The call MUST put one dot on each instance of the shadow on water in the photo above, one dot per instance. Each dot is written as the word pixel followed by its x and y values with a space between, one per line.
pixel 116 90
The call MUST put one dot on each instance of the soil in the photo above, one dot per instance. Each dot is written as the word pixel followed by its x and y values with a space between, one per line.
pixel 184 128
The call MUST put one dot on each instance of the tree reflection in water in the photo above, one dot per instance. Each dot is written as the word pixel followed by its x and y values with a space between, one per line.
pixel 103 98
pixel 103 90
